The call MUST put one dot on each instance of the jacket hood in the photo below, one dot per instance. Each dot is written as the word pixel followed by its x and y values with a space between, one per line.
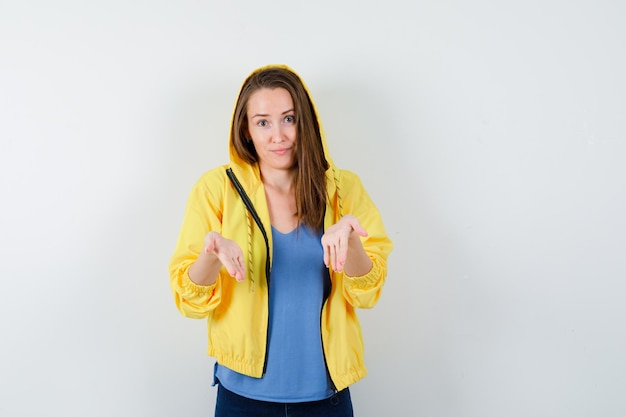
pixel 241 166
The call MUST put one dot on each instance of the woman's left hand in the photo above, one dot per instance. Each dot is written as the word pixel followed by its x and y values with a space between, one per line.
pixel 336 241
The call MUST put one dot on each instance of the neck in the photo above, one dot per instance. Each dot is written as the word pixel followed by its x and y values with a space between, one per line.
pixel 277 178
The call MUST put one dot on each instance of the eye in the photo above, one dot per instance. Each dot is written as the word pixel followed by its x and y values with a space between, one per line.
pixel 290 119
pixel 262 123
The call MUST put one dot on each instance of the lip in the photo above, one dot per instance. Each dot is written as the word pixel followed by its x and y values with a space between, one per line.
pixel 281 151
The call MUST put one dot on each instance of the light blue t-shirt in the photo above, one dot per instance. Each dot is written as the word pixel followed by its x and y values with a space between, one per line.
pixel 296 369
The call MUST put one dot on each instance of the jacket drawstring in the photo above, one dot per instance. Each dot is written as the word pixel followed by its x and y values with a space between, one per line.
pixel 339 199
pixel 250 263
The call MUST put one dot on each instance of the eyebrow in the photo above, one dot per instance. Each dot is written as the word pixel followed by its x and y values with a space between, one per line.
pixel 265 115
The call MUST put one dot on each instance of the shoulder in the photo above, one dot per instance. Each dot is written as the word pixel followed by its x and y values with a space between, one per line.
pixel 213 177
pixel 210 185
pixel 344 177
pixel 216 180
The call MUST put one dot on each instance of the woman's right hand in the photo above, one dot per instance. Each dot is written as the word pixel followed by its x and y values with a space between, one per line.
pixel 228 252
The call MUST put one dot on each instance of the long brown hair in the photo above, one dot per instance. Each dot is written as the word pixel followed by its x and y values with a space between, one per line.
pixel 311 163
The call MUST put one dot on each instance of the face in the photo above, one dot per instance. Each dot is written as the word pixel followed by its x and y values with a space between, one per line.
pixel 272 127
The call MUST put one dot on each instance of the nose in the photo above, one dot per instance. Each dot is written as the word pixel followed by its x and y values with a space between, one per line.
pixel 278 134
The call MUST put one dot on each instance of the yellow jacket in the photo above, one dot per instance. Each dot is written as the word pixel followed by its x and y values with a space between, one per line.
pixel 237 312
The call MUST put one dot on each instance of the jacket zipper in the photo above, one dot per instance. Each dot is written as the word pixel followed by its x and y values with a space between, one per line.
pixel 250 207
pixel 330 288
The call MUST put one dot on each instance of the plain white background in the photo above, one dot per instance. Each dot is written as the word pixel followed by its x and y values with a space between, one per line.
pixel 491 134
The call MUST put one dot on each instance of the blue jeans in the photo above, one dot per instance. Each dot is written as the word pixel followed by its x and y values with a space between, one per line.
pixel 229 404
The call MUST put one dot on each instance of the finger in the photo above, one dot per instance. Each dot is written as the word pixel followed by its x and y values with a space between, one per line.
pixel 236 273
pixel 335 259
pixel 239 269
pixel 210 246
pixel 360 231
pixel 342 252
pixel 326 255
pixel 356 226
pixel 210 241
pixel 243 273
pixel 336 252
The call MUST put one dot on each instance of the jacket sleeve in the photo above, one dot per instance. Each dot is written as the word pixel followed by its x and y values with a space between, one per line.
pixel 364 291
pixel 203 213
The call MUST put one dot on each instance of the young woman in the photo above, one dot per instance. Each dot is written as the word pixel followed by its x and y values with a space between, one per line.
pixel 276 251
